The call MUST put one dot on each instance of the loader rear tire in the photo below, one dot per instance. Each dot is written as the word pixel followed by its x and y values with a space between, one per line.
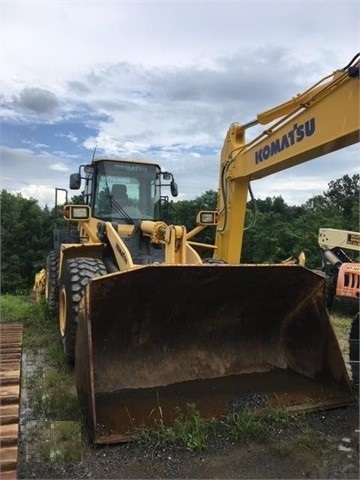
pixel 354 349
pixel 77 274
pixel 52 285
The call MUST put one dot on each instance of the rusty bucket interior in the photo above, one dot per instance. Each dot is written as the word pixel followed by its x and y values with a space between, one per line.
pixel 155 339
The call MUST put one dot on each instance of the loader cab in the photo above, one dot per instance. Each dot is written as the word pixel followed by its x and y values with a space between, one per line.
pixel 125 191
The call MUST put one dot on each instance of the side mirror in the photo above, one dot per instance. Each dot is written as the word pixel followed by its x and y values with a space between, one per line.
pixel 174 188
pixel 75 181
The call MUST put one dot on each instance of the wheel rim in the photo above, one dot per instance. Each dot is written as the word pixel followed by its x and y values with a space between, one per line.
pixel 62 312
pixel 47 285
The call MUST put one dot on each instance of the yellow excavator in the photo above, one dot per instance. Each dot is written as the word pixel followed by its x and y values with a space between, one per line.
pixel 152 326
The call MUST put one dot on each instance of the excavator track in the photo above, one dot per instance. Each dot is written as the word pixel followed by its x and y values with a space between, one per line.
pixel 10 386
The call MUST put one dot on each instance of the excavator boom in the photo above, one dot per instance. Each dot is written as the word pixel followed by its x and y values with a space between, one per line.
pixel 322 120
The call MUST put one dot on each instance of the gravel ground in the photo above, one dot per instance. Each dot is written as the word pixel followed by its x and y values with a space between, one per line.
pixel 285 453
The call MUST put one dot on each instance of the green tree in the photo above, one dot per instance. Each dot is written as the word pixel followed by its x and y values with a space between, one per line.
pixel 338 207
pixel 78 199
pixel 184 212
pixel 344 194
pixel 280 230
pixel 307 229
pixel 272 238
pixel 25 241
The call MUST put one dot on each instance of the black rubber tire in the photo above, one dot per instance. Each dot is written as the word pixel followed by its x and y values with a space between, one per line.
pixel 354 349
pixel 330 282
pixel 52 285
pixel 77 273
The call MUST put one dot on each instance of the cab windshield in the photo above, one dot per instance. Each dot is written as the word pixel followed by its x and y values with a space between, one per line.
pixel 126 191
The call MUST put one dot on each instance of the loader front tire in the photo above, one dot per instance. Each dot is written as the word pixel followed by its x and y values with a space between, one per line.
pixel 77 274
pixel 52 286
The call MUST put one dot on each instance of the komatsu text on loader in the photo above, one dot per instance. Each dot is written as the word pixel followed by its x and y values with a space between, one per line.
pixel 153 327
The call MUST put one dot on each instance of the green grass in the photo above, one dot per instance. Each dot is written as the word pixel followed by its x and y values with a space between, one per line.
pixel 50 385
pixel 54 441
pixel 341 319
pixel 40 330
pixel 53 396
pixel 188 429
pixel 316 442
pixel 258 424
pixel 195 433
pixel 280 416
pixel 303 443
pixel 22 309
pixel 245 425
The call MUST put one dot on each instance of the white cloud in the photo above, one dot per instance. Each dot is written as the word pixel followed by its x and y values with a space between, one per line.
pixel 60 167
pixel 34 145
pixel 163 81
pixel 31 174
pixel 70 136
pixel 154 32
pixel 43 194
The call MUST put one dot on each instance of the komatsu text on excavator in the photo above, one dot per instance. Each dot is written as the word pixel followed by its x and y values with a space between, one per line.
pixel 152 326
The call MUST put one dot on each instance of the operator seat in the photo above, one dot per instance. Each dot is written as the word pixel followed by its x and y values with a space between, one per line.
pixel 119 194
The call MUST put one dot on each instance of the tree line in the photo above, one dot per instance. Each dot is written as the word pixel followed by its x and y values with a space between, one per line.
pixel 280 231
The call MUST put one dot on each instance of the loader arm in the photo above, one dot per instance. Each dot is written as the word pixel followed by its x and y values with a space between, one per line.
pixel 172 237
pixel 323 119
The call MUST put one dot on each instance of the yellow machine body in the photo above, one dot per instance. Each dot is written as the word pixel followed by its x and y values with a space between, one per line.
pixel 158 328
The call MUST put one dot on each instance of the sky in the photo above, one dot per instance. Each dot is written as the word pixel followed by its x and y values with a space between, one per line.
pixel 161 81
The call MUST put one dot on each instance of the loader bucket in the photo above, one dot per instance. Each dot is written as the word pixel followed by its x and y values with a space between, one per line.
pixel 152 340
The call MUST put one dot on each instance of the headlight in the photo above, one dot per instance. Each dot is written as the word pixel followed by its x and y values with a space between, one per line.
pixel 208 218
pixel 77 212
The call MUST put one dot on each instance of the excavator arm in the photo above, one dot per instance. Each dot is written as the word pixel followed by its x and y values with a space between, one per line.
pixel 321 120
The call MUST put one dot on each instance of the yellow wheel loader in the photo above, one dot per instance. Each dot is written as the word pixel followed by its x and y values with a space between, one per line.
pixel 152 326
pixel 39 284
